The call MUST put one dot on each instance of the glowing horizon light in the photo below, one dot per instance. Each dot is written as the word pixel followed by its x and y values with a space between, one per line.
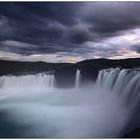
pixel 126 54
pixel 36 55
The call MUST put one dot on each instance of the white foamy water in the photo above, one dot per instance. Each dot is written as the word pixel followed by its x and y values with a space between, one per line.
pixel 73 113
pixel 116 78
pixel 77 79
pixel 31 106
pixel 27 81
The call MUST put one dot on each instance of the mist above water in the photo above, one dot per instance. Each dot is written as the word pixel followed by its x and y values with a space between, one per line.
pixel 32 106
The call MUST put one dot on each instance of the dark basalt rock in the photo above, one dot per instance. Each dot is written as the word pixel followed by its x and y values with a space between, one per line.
pixel 90 68
pixel 65 72
pixel 88 74
pixel 133 134
pixel 65 76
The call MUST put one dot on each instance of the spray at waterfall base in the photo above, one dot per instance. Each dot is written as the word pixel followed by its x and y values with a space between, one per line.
pixel 31 106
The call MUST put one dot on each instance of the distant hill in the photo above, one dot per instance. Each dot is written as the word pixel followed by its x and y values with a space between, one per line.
pixel 105 63
pixel 16 67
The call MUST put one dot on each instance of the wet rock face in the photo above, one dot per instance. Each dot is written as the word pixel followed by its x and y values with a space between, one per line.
pixel 65 76
pixel 88 74
pixel 133 134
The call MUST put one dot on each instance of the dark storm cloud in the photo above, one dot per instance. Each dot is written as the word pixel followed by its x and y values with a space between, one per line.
pixel 135 47
pixel 61 12
pixel 111 17
pixel 52 27
pixel 78 35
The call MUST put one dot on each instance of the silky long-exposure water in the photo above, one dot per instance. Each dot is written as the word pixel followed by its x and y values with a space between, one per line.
pixel 31 106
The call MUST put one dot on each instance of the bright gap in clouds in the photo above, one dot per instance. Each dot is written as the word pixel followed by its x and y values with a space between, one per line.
pixel 122 48
pixel 55 32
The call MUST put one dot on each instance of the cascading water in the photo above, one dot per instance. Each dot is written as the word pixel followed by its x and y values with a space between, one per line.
pixel 125 82
pixel 77 79
pixel 27 81
pixel 81 112
pixel 116 78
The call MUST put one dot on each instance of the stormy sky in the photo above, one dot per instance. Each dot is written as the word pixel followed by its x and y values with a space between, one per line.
pixel 69 31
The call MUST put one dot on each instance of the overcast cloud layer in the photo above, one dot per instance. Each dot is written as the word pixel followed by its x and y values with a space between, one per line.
pixel 69 31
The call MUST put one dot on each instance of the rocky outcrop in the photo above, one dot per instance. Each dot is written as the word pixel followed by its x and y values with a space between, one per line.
pixel 65 76
pixel 90 68
pixel 65 72
pixel 133 134
pixel 88 74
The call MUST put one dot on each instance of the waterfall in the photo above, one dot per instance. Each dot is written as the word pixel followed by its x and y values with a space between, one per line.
pixel 116 78
pixel 111 77
pixel 99 78
pixel 126 84
pixel 106 77
pixel 27 81
pixel 86 112
pixel 123 78
pixel 77 79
